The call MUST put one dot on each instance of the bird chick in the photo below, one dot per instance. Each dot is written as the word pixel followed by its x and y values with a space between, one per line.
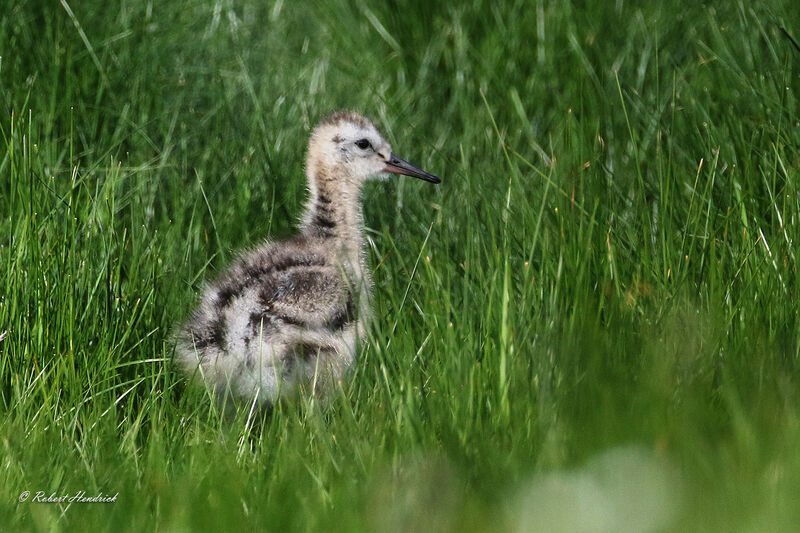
pixel 290 313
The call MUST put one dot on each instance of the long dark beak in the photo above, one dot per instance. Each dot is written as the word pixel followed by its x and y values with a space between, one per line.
pixel 395 165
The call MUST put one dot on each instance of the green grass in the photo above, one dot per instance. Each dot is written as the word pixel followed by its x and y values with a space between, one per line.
pixel 597 308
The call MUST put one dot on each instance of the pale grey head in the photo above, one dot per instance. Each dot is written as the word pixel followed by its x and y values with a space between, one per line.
pixel 348 145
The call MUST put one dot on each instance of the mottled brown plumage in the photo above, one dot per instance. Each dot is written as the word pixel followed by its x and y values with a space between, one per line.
pixel 292 312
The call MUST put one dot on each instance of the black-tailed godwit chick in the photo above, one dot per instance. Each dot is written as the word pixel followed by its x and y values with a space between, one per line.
pixel 291 312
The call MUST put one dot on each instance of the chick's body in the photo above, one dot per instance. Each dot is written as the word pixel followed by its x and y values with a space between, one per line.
pixel 291 312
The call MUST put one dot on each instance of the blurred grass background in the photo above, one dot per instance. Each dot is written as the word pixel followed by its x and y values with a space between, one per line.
pixel 596 309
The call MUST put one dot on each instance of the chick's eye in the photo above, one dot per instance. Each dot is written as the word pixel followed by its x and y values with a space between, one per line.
pixel 363 144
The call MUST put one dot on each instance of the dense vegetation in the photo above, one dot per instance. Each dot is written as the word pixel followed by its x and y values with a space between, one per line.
pixel 591 325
